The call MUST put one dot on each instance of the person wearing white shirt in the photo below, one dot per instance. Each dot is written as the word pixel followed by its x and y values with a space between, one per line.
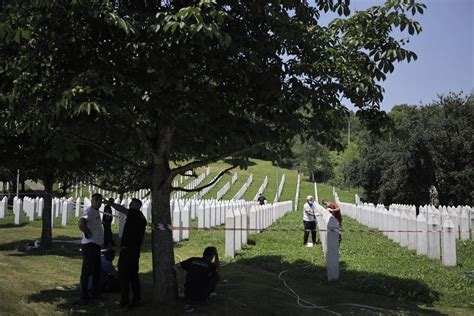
pixel 92 239
pixel 309 220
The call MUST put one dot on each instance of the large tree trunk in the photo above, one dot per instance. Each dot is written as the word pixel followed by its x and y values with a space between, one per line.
pixel 46 233
pixel 164 278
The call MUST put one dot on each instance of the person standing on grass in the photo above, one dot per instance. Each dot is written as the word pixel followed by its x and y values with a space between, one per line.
pixel 335 210
pixel 92 239
pixel 107 223
pixel 261 199
pixel 132 240
pixel 202 276
pixel 309 220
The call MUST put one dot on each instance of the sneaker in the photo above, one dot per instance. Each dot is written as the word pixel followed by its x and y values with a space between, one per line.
pixel 188 308
pixel 309 245
pixel 212 294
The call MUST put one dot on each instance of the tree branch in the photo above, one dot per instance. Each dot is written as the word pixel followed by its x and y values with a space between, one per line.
pixel 97 147
pixel 207 185
pixel 203 162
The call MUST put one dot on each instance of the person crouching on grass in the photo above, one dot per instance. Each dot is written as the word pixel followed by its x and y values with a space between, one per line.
pixel 201 278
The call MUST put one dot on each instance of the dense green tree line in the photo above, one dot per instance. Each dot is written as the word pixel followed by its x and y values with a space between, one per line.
pixel 426 145
pixel 417 147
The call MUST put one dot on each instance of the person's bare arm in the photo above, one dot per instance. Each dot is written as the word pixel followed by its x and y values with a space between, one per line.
pixel 118 207
pixel 83 227
pixel 311 213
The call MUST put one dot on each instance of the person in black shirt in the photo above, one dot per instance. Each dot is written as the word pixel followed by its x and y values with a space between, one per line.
pixel 202 275
pixel 132 239
pixel 107 223
pixel 261 199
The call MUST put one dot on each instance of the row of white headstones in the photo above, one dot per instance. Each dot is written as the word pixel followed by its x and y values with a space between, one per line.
pixel 280 189
pixel 226 187
pixel 244 188
pixel 262 188
pixel 239 222
pixel 240 218
pixel 209 214
pixel 191 185
pixel 32 207
pixel 433 232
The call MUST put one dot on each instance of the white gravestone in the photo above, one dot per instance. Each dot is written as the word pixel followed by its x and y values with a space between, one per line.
pixel 434 250
pixel 185 222
pixel 229 234
pixel 238 231
pixel 244 225
pixel 3 207
pixel 17 209
pixel 449 243
pixel 422 235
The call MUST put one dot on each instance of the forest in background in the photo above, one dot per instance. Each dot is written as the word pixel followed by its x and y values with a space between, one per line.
pixel 398 159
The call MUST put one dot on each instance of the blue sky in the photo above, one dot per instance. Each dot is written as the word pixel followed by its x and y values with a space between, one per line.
pixel 445 52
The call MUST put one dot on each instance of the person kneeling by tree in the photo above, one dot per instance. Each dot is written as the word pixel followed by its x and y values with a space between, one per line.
pixel 202 275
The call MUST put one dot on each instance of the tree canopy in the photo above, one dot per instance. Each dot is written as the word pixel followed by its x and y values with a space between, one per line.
pixel 428 145
pixel 143 83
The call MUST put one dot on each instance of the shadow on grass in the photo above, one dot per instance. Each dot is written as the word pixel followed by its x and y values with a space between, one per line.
pixel 404 293
pixel 65 299
pixel 11 225
pixel 251 286
pixel 64 246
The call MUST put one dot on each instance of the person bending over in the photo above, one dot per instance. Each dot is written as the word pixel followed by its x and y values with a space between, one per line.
pixel 335 210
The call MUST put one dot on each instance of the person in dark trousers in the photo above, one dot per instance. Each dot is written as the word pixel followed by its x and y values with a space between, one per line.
pixel 261 199
pixel 309 220
pixel 92 239
pixel 201 276
pixel 132 240
pixel 107 223
pixel 109 281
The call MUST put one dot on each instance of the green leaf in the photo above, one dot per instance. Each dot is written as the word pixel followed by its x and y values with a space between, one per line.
pixel 174 26
pixel 403 25
pixel 17 37
pixel 26 34
pixel 347 11
pixel 123 25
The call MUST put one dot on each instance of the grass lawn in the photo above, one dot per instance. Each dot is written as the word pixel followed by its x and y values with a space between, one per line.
pixel 374 270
